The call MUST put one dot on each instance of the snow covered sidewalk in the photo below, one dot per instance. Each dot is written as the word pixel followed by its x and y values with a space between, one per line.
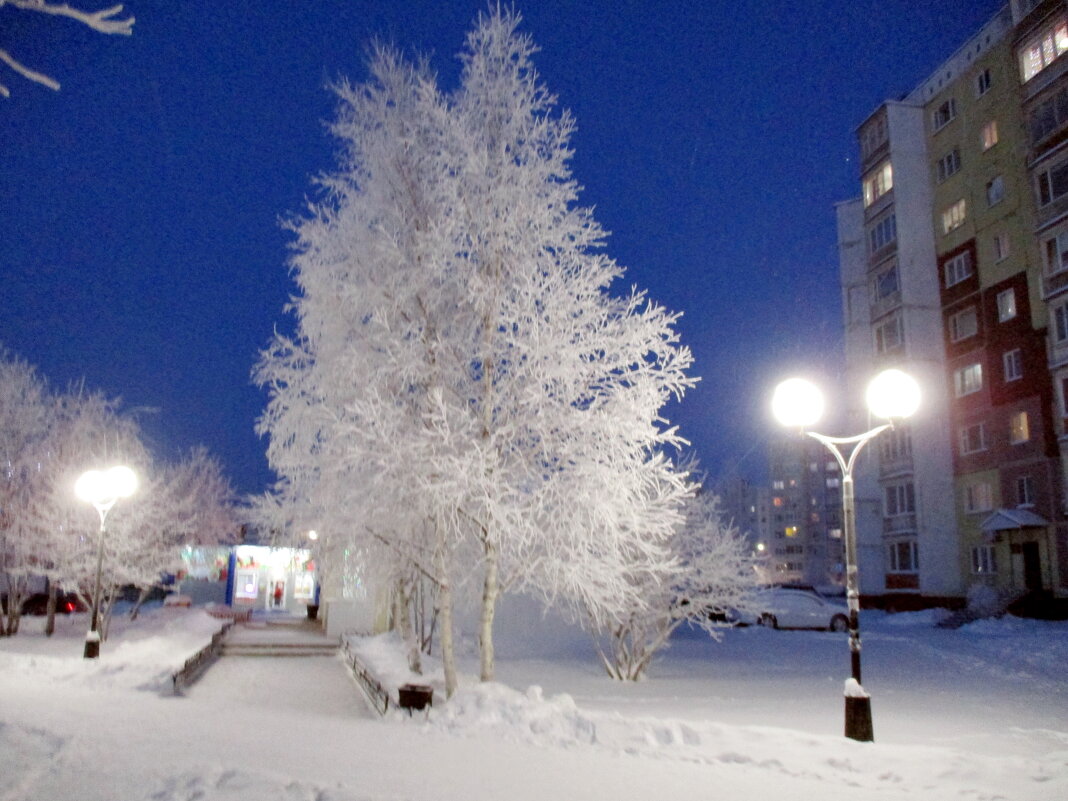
pixel 71 729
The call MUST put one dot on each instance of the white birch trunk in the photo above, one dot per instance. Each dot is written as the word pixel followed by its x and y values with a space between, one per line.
pixel 490 591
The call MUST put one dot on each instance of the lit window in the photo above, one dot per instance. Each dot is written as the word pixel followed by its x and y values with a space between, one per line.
pixel 995 190
pixel 983 560
pixel 878 183
pixel 1001 247
pixel 968 379
pixel 1060 323
pixel 1043 49
pixel 948 164
pixel 899 499
pixel 963 324
pixel 953 217
pixel 903 557
pixel 834 533
pixel 882 233
pixel 958 268
pixel 889 335
pixel 982 83
pixel 1025 491
pixel 833 482
pixel 778 484
pixel 978 497
pixel 1056 248
pixel 884 284
pixel 1006 305
pixel 944 114
pixel 972 439
pixel 790 531
pixel 988 136
pixel 1013 362
pixel 1052 183
pixel 1019 428
pixel 776 501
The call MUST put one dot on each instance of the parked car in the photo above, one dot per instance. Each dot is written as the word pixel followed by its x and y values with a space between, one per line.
pixel 66 602
pixel 799 607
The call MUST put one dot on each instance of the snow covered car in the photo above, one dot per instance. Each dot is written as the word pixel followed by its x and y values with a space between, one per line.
pixel 66 602
pixel 797 608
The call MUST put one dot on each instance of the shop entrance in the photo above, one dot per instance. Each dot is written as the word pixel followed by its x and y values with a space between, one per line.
pixel 276 594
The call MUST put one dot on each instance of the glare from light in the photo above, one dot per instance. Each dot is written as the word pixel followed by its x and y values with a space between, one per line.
pixel 797 403
pixel 893 395
pixel 313 535
pixel 104 487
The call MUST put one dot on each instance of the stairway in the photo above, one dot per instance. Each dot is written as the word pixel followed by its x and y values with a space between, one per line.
pixel 279 638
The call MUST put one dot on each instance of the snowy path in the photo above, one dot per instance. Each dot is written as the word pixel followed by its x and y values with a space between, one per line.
pixel 317 686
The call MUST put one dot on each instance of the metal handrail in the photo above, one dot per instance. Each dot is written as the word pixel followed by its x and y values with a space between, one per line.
pixel 195 665
pixel 373 689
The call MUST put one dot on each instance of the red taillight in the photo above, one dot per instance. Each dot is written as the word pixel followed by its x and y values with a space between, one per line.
pixel 70 606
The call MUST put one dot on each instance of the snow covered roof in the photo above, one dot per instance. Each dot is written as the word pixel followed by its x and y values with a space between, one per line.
pixel 1006 519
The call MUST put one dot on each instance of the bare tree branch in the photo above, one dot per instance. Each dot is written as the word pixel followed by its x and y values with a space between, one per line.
pixel 25 72
pixel 102 21
pixel 97 20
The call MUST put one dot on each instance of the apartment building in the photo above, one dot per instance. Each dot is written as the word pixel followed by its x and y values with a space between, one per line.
pixel 949 273
pixel 804 532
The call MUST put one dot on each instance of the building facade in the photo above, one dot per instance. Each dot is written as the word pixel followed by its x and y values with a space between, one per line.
pixel 950 268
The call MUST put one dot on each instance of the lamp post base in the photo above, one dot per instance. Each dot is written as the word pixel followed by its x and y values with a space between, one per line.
pixel 92 649
pixel 858 719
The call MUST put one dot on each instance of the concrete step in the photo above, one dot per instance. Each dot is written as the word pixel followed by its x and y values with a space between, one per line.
pixel 279 649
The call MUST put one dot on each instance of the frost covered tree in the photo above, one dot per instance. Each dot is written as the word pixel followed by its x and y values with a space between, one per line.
pixel 27 414
pixel 102 21
pixel 713 575
pixel 463 388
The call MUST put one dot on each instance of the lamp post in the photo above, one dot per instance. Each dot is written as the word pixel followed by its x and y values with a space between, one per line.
pixel 102 488
pixel 797 403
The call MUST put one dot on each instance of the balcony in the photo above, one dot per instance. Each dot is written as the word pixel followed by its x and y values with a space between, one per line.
pixel 899 524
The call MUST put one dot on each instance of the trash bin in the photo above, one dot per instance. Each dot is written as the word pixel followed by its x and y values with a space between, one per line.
pixel 313 611
pixel 415 696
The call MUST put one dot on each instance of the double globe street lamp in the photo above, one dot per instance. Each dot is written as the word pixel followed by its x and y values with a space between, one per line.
pixel 797 403
pixel 102 488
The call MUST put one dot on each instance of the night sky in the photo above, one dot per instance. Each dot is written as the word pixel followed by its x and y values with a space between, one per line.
pixel 140 244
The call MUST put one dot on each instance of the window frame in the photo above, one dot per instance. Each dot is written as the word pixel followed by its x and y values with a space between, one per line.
pixel 1025 491
pixel 904 499
pixel 988 135
pixel 971 439
pixel 1049 180
pixel 1019 428
pixel 955 327
pixel 968 380
pixel 1002 246
pixel 1007 310
pixel 944 114
pixel 1043 49
pixel 909 549
pixel 1055 253
pixel 984 561
pixel 879 182
pixel 947 166
pixel 1059 329
pixel 884 344
pixel 1012 365
pixel 959 268
pixel 995 190
pixel 954 215
pixel 983 81
pixel 978 497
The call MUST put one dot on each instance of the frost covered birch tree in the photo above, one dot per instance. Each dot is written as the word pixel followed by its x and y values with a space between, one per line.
pixel 713 575
pixel 462 375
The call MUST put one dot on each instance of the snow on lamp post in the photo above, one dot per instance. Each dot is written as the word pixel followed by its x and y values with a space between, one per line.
pixel 796 403
pixel 102 488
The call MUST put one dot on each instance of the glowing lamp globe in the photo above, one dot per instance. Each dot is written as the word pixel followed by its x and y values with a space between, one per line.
pixel 893 395
pixel 104 487
pixel 313 534
pixel 797 403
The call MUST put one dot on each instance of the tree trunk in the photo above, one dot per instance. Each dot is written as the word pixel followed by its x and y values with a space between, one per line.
pixel 490 591
pixel 140 600
pixel 402 619
pixel 448 652
pixel 50 610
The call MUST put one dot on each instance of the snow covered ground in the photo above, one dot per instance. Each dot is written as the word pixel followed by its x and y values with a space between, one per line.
pixel 980 713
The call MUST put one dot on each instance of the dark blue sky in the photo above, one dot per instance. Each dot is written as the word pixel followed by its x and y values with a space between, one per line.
pixel 139 206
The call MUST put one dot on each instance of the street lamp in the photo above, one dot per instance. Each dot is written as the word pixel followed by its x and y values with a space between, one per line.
pixel 102 488
pixel 797 403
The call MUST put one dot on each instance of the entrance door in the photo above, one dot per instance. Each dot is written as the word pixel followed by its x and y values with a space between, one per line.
pixel 1032 566
pixel 276 595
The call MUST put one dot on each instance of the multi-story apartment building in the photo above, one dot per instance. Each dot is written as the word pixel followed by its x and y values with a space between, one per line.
pixel 804 532
pixel 949 272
